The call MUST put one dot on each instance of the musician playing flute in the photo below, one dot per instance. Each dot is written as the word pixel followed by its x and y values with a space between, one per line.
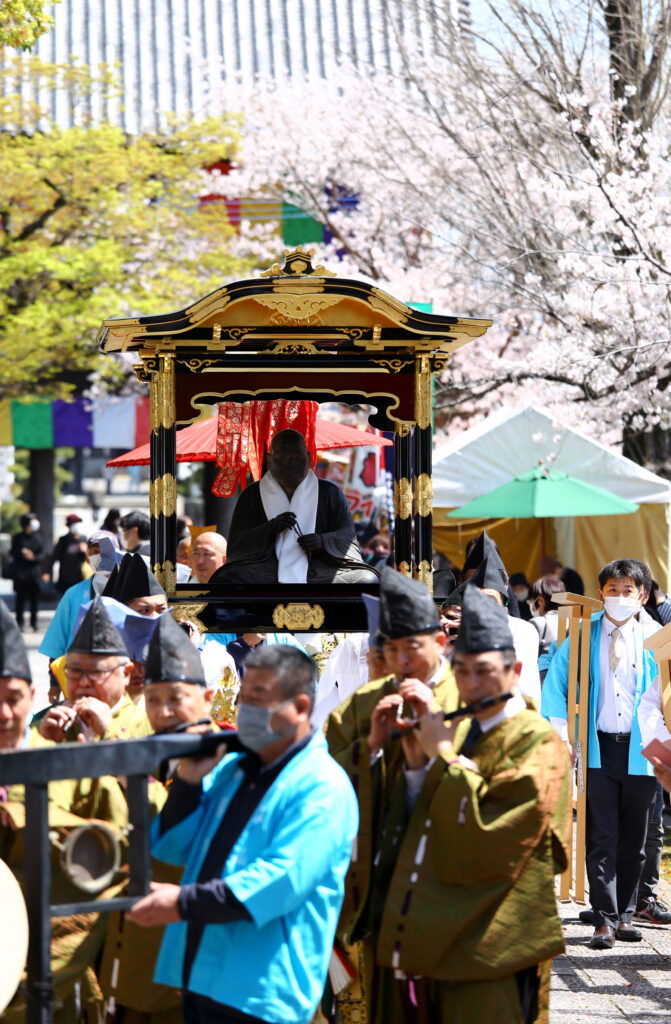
pixel 463 911
pixel 358 732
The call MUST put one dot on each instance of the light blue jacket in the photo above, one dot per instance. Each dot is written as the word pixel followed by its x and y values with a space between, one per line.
pixel 554 695
pixel 288 868
pixel 59 632
pixel 271 638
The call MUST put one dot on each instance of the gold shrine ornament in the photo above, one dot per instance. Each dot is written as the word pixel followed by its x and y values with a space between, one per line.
pixel 423 494
pixel 298 616
pixel 403 498
pixel 189 613
pixel 163 495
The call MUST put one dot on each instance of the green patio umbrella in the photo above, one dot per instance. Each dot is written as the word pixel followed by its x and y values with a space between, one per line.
pixel 544 493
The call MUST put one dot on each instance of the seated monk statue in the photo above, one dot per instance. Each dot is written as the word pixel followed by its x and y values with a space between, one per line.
pixel 291 527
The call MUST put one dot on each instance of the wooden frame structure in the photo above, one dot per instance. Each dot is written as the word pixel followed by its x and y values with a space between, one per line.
pixel 300 331
pixel 660 644
pixel 575 614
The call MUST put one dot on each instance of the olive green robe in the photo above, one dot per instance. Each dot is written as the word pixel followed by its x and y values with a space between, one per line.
pixel 347 731
pixel 464 887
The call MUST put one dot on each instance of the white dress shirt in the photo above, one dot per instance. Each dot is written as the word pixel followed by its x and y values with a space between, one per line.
pixel 616 694
pixel 650 717
pixel 615 702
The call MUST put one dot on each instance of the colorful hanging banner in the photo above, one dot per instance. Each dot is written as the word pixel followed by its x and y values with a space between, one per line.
pixel 6 432
pixel 106 422
pixel 32 425
pixel 73 423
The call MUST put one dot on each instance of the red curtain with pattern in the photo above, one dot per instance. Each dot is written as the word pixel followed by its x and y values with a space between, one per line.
pixel 244 433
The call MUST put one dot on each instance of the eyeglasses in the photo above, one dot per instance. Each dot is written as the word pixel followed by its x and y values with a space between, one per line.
pixel 97 675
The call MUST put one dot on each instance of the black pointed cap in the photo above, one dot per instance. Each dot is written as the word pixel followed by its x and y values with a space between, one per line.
pixel 135 579
pixel 171 657
pixel 97 634
pixel 491 574
pixel 406 606
pixel 14 662
pixel 455 596
pixel 484 547
pixel 484 624
pixel 109 590
pixel 443 584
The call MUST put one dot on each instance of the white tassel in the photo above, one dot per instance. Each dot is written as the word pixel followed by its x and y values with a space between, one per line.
pixel 341 971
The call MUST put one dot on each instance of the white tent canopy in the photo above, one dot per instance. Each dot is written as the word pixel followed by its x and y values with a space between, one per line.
pixel 510 442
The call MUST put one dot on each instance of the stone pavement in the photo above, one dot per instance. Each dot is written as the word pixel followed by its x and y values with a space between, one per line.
pixel 631 982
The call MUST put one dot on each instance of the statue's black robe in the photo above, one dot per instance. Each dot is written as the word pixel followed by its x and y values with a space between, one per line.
pixel 251 545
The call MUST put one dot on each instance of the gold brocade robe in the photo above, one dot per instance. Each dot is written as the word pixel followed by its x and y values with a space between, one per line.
pixel 346 733
pixel 466 881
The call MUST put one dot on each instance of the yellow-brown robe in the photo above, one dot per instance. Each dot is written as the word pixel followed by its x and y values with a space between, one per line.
pixel 347 730
pixel 129 982
pixel 470 898
pixel 75 940
pixel 128 722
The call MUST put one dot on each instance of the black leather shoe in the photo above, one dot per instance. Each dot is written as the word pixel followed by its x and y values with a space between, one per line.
pixel 627 933
pixel 603 938
pixel 586 916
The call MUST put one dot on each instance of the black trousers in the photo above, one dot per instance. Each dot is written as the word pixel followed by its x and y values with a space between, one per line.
pixel 654 844
pixel 27 592
pixel 618 808
pixel 201 1010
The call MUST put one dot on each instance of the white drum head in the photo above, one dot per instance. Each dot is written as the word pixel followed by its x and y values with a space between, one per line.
pixel 13 935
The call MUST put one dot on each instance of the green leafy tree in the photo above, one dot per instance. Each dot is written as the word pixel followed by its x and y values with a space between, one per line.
pixel 22 22
pixel 94 223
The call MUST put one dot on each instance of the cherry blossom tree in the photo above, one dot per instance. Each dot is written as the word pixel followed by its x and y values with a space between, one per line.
pixel 519 171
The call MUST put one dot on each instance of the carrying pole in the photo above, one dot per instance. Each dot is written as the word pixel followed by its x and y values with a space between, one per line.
pixel 575 614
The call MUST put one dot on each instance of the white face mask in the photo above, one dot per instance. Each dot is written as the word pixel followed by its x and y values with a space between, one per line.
pixel 535 611
pixel 34 525
pixel 619 609
pixel 522 594
pixel 94 561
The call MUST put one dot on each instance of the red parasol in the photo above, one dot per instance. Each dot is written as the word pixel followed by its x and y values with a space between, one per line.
pixel 198 443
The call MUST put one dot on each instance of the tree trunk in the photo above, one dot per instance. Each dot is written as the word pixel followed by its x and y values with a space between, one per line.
pixel 41 492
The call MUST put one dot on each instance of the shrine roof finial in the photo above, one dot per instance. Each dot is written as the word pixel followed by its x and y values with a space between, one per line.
pixel 297 263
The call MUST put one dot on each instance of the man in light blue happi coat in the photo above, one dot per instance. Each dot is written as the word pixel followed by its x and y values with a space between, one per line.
pixel 265 836
pixel 620 782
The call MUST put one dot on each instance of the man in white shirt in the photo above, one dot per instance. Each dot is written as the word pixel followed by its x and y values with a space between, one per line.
pixel 620 782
